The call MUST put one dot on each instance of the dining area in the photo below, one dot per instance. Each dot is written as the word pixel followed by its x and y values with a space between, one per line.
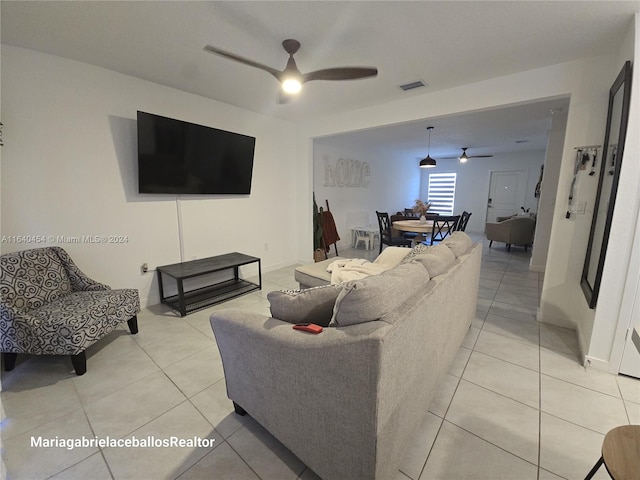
pixel 412 227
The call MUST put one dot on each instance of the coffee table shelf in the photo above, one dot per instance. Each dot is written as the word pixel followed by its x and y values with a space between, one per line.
pixel 186 302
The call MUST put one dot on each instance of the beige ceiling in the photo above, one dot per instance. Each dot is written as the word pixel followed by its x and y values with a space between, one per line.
pixel 442 43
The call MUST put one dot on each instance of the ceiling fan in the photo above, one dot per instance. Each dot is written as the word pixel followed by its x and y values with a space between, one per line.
pixel 464 157
pixel 291 78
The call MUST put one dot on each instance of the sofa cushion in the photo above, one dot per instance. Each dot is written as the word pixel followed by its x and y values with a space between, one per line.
pixel 315 274
pixel 416 250
pixel 436 259
pixel 392 256
pixel 458 242
pixel 70 324
pixel 311 305
pixel 370 298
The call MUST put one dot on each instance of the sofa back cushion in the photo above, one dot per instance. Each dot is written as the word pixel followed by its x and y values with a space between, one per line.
pixel 371 298
pixel 436 259
pixel 391 256
pixel 311 305
pixel 32 278
pixel 458 242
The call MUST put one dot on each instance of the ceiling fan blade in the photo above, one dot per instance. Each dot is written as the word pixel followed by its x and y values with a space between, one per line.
pixel 341 73
pixel 480 156
pixel 246 61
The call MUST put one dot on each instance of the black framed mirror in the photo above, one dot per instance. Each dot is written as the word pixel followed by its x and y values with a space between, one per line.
pixel 615 134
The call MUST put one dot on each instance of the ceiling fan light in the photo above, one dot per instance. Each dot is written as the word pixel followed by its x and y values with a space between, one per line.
pixel 463 158
pixel 427 162
pixel 291 85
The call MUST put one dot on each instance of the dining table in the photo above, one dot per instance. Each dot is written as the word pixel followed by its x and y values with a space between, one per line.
pixel 415 226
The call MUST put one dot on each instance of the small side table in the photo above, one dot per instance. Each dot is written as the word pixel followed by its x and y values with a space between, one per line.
pixel 620 453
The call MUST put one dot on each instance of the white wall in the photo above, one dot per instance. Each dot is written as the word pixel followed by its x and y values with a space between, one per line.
pixel 393 184
pixel 69 168
pixel 473 177
pixel 548 189
pixel 605 339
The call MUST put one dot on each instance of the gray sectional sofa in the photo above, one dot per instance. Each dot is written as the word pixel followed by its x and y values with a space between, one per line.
pixel 348 401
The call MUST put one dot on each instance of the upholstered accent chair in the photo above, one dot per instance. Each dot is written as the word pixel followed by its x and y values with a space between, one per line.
pixel 49 307
pixel 516 230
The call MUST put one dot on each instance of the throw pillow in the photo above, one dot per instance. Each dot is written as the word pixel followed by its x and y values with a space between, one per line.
pixel 436 260
pixel 418 249
pixel 373 297
pixel 458 242
pixel 392 256
pixel 311 305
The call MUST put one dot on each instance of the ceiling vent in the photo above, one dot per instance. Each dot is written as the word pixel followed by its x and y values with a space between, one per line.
pixel 412 85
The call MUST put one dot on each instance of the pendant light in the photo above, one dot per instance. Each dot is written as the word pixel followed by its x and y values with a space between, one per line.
pixel 464 157
pixel 428 162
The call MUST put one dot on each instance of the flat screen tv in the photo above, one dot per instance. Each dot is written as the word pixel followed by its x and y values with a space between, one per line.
pixel 178 157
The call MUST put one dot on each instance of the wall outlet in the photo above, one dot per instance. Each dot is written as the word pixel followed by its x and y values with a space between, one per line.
pixel 144 268
pixel 578 208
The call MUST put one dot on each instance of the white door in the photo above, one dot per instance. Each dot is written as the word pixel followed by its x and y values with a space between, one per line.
pixel 630 364
pixel 507 192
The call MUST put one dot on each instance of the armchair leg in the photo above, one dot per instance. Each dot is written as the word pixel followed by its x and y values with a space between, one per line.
pixel 239 410
pixel 79 362
pixel 133 324
pixel 490 243
pixel 9 361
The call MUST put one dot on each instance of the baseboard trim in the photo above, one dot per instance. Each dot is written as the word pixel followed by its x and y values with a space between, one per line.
pixel 596 363
pixel 536 268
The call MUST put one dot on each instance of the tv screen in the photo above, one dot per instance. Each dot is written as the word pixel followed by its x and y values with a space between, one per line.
pixel 179 157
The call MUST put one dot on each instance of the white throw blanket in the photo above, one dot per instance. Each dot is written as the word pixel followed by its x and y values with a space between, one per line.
pixel 353 269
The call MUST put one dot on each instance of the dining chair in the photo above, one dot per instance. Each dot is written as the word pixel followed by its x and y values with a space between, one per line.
pixel 443 226
pixel 464 219
pixel 399 216
pixel 386 236
pixel 408 212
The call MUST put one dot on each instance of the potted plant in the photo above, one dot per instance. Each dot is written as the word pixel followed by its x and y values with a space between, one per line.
pixel 421 208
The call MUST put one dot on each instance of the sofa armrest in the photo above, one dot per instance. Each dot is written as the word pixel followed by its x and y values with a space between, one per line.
pixel 499 232
pixel 79 281
pixel 316 393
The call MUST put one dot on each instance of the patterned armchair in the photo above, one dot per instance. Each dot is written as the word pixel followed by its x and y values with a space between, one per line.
pixel 49 307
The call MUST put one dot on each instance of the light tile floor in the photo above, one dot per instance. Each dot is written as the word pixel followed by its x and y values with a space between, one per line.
pixel 516 404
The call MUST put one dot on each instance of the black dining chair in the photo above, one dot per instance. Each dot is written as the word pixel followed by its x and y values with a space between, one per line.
pixel 400 216
pixel 386 235
pixel 443 226
pixel 408 212
pixel 464 219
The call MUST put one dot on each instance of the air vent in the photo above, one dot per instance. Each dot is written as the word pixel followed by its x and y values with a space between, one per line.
pixel 412 85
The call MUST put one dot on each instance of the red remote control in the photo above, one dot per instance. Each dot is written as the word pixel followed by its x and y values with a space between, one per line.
pixel 308 327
